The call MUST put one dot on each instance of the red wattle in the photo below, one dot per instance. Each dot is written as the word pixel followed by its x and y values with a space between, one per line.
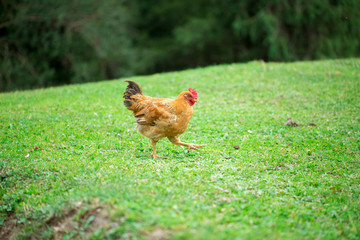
pixel 191 102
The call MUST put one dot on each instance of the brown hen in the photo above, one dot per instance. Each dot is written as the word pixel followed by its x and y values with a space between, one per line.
pixel 158 118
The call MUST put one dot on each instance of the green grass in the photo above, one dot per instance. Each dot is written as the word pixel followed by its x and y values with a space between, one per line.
pixel 72 154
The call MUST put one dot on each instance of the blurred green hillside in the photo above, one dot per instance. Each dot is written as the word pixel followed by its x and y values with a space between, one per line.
pixel 50 42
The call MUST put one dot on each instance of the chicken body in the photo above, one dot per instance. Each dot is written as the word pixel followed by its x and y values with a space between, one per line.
pixel 158 118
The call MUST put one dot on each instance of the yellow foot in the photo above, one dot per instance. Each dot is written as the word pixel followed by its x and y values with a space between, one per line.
pixel 195 147
pixel 155 155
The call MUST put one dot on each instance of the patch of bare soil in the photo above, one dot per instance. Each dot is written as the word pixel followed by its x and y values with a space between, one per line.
pixel 88 222
pixel 74 220
pixel 10 227
pixel 64 224
pixel 99 220
pixel 158 234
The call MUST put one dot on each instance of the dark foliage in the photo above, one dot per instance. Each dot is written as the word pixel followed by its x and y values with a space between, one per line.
pixel 50 42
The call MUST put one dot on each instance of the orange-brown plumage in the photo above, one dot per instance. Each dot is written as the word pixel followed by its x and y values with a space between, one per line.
pixel 157 118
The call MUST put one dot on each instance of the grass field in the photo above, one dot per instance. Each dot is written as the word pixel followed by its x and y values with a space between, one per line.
pixel 73 166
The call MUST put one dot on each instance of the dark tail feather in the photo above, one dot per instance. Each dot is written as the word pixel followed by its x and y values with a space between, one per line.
pixel 132 89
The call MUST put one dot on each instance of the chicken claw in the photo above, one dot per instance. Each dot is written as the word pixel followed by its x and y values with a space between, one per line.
pixel 194 146
pixel 155 155
pixel 176 141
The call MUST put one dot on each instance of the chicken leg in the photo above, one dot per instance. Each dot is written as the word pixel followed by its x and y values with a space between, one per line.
pixel 176 141
pixel 154 155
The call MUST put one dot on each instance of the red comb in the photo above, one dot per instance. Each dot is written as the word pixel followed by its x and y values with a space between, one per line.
pixel 193 92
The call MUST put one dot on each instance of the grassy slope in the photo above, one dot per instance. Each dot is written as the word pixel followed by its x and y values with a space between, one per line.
pixel 284 182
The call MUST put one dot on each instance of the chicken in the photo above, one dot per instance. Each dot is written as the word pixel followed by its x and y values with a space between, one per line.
pixel 158 118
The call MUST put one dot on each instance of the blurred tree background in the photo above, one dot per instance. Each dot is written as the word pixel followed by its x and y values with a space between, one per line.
pixel 51 42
